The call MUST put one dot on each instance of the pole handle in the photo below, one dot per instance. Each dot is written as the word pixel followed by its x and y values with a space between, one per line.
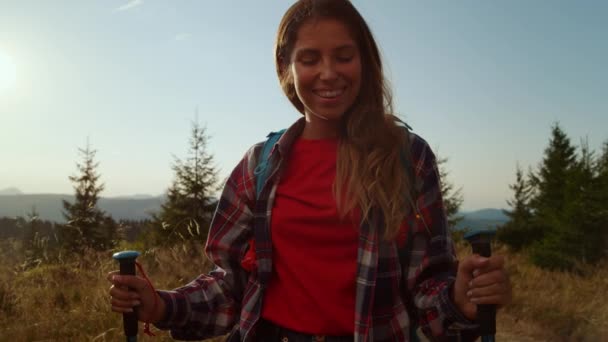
pixel 129 319
pixel 486 313
pixel 126 261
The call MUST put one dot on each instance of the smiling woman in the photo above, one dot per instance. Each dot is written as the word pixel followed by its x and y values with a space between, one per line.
pixel 8 72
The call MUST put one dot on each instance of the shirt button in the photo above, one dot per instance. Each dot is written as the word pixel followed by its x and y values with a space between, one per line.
pixel 284 339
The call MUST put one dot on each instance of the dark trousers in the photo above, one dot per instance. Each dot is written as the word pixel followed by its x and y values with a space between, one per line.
pixel 269 332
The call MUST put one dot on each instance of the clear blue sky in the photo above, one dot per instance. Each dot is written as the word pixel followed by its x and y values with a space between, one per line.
pixel 481 81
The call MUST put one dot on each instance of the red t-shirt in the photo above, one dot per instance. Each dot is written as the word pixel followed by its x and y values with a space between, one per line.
pixel 312 288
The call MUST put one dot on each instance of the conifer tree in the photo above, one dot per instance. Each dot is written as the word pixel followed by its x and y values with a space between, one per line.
pixel 602 185
pixel 602 162
pixel 30 227
pixel 602 175
pixel 553 174
pixel 517 232
pixel 585 210
pixel 548 204
pixel 452 197
pixel 568 206
pixel 87 226
pixel 188 209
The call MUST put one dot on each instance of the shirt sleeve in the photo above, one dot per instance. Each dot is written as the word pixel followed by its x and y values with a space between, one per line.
pixel 433 263
pixel 210 305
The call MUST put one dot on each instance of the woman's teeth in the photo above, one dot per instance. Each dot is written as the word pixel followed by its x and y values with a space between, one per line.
pixel 329 93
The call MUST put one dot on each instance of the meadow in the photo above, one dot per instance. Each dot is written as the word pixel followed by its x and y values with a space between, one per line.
pixel 70 302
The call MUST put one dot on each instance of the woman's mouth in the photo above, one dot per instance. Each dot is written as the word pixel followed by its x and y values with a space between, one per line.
pixel 329 93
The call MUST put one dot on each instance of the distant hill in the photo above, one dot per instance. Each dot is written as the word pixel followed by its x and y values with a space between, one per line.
pixel 49 206
pixel 482 219
pixel 138 207
pixel 10 191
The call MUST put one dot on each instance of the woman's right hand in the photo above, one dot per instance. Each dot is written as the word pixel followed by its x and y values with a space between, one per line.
pixel 128 291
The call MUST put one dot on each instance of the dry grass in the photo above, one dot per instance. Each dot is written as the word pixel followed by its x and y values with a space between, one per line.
pixel 553 306
pixel 69 302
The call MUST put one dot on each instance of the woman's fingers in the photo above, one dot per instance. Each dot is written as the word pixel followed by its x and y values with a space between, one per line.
pixel 494 300
pixel 125 292
pixel 495 262
pixel 491 290
pixel 126 304
pixel 111 274
pixel 132 282
pixel 486 279
pixel 122 293
pixel 490 283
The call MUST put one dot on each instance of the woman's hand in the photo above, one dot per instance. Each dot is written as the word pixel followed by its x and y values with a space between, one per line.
pixel 150 307
pixel 481 280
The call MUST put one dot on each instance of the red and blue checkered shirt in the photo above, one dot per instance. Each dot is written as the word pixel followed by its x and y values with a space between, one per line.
pixel 229 298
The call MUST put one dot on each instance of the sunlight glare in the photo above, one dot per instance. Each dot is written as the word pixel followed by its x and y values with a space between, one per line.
pixel 8 72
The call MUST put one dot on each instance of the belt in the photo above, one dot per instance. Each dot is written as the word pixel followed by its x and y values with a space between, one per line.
pixel 270 332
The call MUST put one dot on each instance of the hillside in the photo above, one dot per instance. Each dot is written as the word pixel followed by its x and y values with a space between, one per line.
pixel 10 191
pixel 482 219
pixel 137 207
pixel 49 206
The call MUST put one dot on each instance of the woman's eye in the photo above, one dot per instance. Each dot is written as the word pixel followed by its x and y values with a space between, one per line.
pixel 308 61
pixel 345 59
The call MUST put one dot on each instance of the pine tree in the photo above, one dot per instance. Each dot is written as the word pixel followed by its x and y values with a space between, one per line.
pixel 87 226
pixel 553 174
pixel 188 210
pixel 602 187
pixel 602 162
pixel 566 206
pixel 518 232
pixel 452 198
pixel 30 228
pixel 602 175
pixel 585 210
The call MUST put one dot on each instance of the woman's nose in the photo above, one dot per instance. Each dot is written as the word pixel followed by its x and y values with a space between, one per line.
pixel 328 71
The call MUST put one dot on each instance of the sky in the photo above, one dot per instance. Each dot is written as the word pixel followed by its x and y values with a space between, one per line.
pixel 481 81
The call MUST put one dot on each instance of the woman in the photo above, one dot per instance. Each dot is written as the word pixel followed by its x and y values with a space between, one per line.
pixel 348 188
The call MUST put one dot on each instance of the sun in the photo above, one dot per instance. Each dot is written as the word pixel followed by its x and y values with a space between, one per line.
pixel 8 72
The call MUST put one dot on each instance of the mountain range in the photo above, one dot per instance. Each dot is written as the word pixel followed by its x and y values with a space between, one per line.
pixel 138 207
pixel 10 191
pixel 50 206
pixel 488 218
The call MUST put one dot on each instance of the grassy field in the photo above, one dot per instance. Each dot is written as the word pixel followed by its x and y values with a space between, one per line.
pixel 70 301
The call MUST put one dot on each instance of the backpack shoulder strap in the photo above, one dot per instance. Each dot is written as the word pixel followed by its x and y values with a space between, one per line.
pixel 404 251
pixel 261 169
pixel 406 156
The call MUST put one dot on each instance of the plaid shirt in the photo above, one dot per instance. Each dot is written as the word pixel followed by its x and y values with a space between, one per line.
pixel 230 299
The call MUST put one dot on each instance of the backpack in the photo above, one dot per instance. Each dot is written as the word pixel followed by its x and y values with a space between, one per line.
pixel 261 175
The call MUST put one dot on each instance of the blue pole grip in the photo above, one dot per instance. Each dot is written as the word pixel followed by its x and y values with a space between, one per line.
pixel 126 261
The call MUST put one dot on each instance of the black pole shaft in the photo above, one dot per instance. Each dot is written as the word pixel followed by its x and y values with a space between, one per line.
pixel 486 313
pixel 129 319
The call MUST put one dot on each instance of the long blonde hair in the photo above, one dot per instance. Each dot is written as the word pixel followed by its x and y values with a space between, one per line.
pixel 370 169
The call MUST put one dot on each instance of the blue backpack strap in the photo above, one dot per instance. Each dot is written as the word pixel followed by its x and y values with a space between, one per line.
pixel 404 251
pixel 406 160
pixel 261 170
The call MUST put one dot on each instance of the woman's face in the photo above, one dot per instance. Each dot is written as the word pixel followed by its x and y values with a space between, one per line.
pixel 326 69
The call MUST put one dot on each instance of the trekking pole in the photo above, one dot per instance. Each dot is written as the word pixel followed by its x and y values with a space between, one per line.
pixel 127 267
pixel 486 313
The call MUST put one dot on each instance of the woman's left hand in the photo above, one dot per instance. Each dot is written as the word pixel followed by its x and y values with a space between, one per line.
pixel 481 280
